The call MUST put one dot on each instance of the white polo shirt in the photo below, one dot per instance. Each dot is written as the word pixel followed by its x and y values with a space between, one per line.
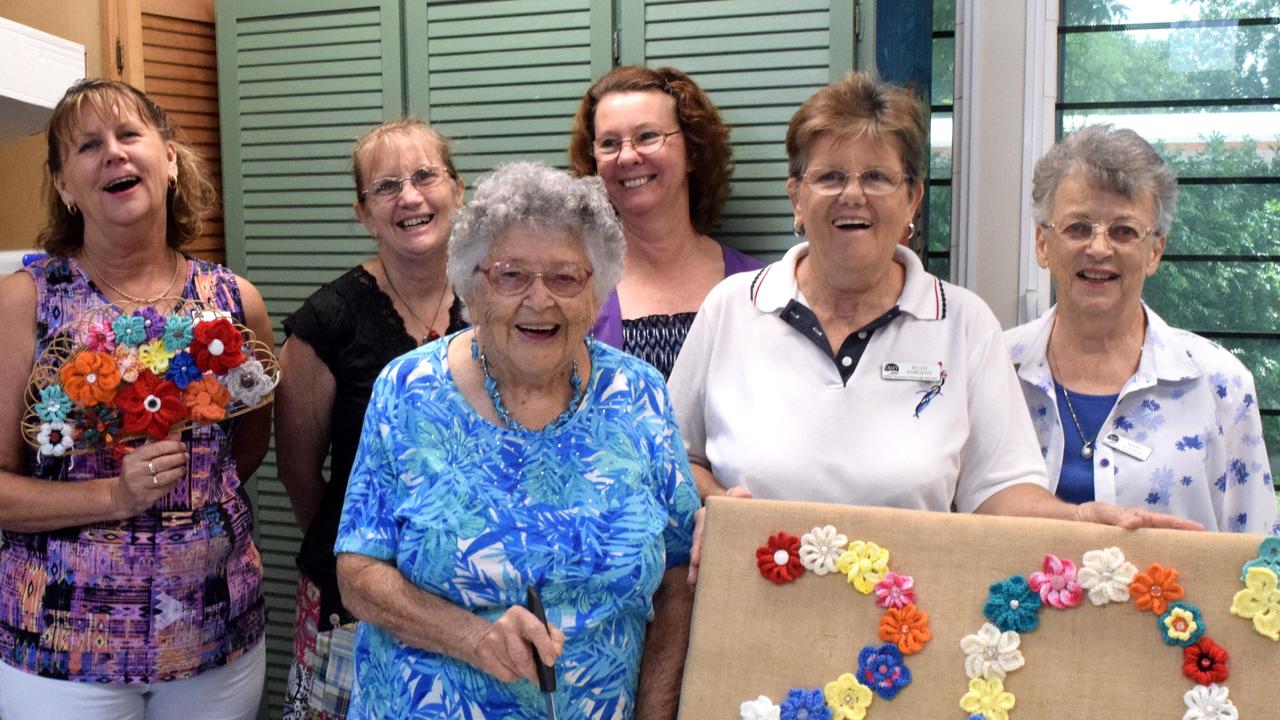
pixel 765 407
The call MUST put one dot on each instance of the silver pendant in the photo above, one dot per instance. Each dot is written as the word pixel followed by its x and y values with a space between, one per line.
pixel 1086 452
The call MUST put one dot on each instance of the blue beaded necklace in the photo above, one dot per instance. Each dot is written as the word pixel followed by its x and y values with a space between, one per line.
pixel 491 387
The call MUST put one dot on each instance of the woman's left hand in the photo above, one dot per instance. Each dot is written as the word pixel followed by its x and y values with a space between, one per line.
pixel 1131 518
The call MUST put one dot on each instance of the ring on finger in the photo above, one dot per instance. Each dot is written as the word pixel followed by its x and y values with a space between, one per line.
pixel 155 480
pixel 151 468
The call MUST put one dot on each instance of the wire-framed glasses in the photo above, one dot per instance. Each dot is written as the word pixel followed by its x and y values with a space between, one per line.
pixel 833 181
pixel 1121 232
pixel 387 188
pixel 563 279
pixel 645 142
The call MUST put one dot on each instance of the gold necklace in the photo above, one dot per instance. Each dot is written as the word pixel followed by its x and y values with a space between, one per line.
pixel 431 331
pixel 177 266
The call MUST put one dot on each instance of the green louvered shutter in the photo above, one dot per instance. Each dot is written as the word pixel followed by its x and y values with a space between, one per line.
pixel 502 78
pixel 299 81
pixel 758 60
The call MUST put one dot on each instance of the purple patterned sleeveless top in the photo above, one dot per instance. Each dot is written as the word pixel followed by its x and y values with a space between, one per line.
pixel 164 595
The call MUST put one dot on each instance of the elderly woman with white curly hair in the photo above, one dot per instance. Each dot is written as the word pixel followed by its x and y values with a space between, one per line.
pixel 520 453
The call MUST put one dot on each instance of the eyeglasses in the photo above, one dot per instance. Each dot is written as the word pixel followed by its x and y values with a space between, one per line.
pixel 387 188
pixel 563 279
pixel 645 142
pixel 873 181
pixel 1082 231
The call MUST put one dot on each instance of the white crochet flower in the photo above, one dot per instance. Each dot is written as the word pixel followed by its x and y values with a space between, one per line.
pixel 820 548
pixel 1209 702
pixel 990 654
pixel 762 708
pixel 54 438
pixel 1106 575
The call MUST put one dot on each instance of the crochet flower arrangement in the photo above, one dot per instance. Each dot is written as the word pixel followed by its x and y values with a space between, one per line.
pixel 1259 601
pixel 1013 607
pixel 904 627
pixel 116 376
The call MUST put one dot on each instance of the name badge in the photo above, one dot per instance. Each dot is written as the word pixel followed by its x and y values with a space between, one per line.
pixel 921 372
pixel 1125 445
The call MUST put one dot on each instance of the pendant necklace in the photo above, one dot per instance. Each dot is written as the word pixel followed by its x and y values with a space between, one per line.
pixel 177 267
pixel 431 331
pixel 495 397
pixel 1086 450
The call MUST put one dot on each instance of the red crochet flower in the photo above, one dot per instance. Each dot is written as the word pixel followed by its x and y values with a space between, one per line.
pixel 1205 662
pixel 217 346
pixel 151 405
pixel 779 560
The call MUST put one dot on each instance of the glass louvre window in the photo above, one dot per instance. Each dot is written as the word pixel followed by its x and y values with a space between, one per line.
pixel 1200 80
pixel 941 106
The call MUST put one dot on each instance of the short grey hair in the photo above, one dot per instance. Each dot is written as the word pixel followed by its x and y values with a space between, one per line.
pixel 548 199
pixel 1118 161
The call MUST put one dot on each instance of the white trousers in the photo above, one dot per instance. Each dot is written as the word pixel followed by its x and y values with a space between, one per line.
pixel 231 692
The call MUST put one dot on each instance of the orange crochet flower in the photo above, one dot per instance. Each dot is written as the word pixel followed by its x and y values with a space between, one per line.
pixel 1154 589
pixel 206 399
pixel 907 627
pixel 90 378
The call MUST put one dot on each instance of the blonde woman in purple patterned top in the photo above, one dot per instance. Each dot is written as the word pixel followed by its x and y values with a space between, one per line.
pixel 130 586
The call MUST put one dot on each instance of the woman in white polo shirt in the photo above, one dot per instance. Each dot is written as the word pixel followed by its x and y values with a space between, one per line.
pixel 845 373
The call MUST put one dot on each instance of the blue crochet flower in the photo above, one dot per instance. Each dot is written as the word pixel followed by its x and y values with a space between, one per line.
pixel 1268 557
pixel 882 670
pixel 802 704
pixel 54 404
pixel 152 322
pixel 177 332
pixel 1013 605
pixel 182 370
pixel 1181 625
pixel 130 330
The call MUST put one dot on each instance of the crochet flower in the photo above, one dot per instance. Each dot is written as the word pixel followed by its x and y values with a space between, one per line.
pixel 90 378
pixel 154 356
pixel 907 627
pixel 206 400
pixel 1011 605
pixel 987 699
pixel 895 590
pixel 99 337
pixel 779 559
pixel 1181 625
pixel 249 383
pixel 802 704
pixel 177 332
pixel 183 370
pixel 1268 557
pixel 1205 662
pixel 130 330
pixel 820 548
pixel 1260 600
pixel 152 323
pixel 1154 589
pixel 1209 702
pixel 99 425
pixel 128 362
pixel 762 708
pixel 991 654
pixel 847 698
pixel 1106 575
pixel 54 405
pixel 217 346
pixel 54 438
pixel 151 405
pixel 864 564
pixel 1057 583
pixel 882 670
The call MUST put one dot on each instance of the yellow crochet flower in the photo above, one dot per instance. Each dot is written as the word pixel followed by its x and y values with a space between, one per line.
pixel 1259 600
pixel 987 698
pixel 1180 623
pixel 847 698
pixel 155 357
pixel 865 564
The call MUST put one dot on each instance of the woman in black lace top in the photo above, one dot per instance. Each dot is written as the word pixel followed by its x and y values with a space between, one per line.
pixel 338 341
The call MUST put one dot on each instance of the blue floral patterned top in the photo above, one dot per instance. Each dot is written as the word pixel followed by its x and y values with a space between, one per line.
pixel 593 513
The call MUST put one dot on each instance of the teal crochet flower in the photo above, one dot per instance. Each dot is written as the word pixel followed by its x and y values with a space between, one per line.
pixel 1181 625
pixel 1268 557
pixel 130 330
pixel 54 404
pixel 1013 605
pixel 177 332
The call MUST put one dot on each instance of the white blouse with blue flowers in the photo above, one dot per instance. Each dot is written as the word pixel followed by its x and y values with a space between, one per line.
pixel 1192 403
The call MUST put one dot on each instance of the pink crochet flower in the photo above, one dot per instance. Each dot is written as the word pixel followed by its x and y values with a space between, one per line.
pixel 895 591
pixel 99 337
pixel 1057 585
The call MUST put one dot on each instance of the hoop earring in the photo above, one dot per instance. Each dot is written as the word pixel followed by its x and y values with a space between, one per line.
pixel 797 229
pixel 911 230
pixel 72 209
